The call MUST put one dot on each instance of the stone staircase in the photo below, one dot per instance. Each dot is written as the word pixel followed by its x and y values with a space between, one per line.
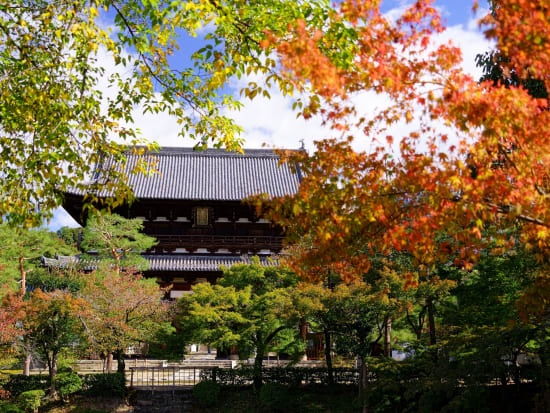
pixel 162 401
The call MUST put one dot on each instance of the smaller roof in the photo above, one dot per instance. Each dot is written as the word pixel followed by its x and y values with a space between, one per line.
pixel 165 262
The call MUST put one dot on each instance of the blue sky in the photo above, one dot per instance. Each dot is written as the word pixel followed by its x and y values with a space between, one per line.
pixel 272 122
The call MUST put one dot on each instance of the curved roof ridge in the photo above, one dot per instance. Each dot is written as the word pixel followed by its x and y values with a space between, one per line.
pixel 211 152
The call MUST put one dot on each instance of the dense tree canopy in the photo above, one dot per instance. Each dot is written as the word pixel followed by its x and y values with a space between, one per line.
pixel 125 310
pixel 51 323
pixel 474 161
pixel 62 112
pixel 250 306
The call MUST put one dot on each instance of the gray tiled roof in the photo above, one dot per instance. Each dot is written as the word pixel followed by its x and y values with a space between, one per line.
pixel 200 263
pixel 188 262
pixel 184 173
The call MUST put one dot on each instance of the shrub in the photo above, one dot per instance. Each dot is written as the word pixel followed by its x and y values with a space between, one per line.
pixel 19 383
pixel 10 408
pixel 67 384
pixel 30 400
pixel 291 376
pixel 112 384
pixel 206 393
pixel 275 397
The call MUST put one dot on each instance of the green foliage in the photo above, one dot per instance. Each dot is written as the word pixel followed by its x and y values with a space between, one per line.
pixel 67 384
pixel 53 280
pixel 31 400
pixel 53 324
pixel 206 393
pixel 95 385
pixel 18 383
pixel 10 408
pixel 21 251
pixel 57 125
pixel 250 306
pixel 117 240
pixel 125 309
pixel 71 236
pixel 168 343
pixel 289 376
pixel 275 397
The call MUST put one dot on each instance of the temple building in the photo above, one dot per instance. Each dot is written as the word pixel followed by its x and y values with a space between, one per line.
pixel 194 207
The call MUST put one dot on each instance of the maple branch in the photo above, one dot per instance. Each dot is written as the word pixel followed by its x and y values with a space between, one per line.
pixel 148 66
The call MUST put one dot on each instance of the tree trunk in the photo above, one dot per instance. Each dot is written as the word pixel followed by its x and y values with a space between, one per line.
pixel 328 358
pixel 257 373
pixel 23 287
pixel 52 370
pixel 387 337
pixel 363 383
pixel 431 321
pixel 110 363
pixel 27 365
pixel 120 361
pixel 303 336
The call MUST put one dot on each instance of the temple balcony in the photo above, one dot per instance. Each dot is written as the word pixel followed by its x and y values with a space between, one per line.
pixel 193 242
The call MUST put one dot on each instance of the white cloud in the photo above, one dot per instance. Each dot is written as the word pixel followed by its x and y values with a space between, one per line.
pixel 273 121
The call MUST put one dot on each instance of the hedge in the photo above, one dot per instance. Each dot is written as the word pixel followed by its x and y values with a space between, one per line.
pixel 291 376
pixel 104 384
pixel 101 384
pixel 18 383
pixel 206 393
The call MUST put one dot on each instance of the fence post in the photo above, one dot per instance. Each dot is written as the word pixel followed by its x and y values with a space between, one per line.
pixel 131 377
pixel 173 382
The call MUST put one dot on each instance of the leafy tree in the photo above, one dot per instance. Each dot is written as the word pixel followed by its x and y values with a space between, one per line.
pixel 52 323
pixel 21 249
pixel 51 279
pixel 71 236
pixel 406 190
pixel 125 309
pixel 10 315
pixel 484 315
pixel 57 126
pixel 117 240
pixel 248 307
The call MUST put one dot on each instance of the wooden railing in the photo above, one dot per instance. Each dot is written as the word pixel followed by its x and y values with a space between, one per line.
pixel 220 241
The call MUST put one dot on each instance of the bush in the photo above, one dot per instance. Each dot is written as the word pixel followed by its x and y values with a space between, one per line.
pixel 275 397
pixel 31 400
pixel 67 384
pixel 10 408
pixel 291 376
pixel 19 383
pixel 112 384
pixel 206 393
